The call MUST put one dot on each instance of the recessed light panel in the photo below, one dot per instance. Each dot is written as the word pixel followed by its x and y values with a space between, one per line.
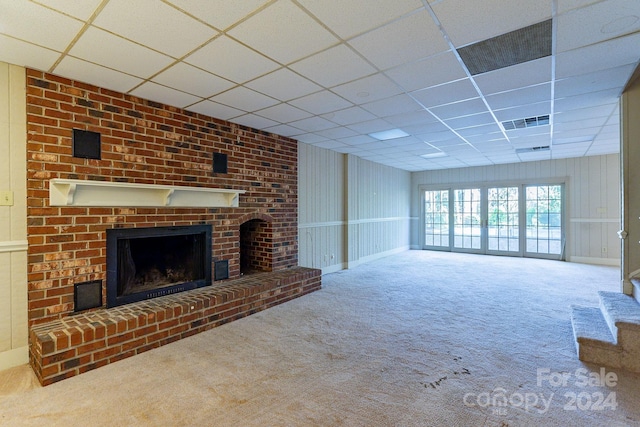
pixel 389 134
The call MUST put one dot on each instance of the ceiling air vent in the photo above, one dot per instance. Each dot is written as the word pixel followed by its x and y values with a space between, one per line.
pixel 532 149
pixel 526 123
pixel 516 47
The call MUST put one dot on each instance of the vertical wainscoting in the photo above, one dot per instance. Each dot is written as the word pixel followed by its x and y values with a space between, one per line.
pixel 13 218
pixel 592 194
pixel 350 210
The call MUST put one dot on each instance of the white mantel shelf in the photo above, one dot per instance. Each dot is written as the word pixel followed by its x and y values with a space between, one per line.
pixel 75 192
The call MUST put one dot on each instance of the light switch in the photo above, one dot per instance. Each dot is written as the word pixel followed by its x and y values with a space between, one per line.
pixel 6 198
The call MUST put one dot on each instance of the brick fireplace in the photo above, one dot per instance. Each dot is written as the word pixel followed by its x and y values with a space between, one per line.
pixel 146 151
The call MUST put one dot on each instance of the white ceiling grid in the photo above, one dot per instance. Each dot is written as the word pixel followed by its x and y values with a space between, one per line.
pixel 331 72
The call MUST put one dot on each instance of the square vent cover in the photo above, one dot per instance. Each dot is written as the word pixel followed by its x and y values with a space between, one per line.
pixel 515 47
pixel 529 122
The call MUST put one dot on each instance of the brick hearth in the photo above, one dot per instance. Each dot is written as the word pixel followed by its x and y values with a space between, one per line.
pixel 83 342
pixel 144 142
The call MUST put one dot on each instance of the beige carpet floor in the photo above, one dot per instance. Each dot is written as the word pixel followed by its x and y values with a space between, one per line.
pixel 416 339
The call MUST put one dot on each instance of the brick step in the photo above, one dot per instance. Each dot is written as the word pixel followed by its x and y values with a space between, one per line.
pixel 86 341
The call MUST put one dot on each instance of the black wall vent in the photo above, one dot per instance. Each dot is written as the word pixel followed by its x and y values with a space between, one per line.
pixel 86 144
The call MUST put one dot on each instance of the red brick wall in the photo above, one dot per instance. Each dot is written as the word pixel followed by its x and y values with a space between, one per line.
pixel 150 143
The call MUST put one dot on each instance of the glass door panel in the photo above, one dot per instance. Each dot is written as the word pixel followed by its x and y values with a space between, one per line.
pixel 544 220
pixel 467 219
pixel 436 219
pixel 503 234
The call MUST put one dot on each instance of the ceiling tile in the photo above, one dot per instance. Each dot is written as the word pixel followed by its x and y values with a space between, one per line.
pixel 367 89
pixel 404 40
pixel 284 130
pixel 165 95
pixel 358 16
pixel 244 99
pixel 214 109
pixel 524 96
pixel 425 127
pixel 301 36
pixel 254 121
pixel 284 85
pixel 391 106
pixel 313 124
pixel 371 126
pixel 601 56
pixel 609 19
pixel 26 54
pixel 321 102
pixel 600 80
pixel 465 25
pixel 310 138
pixel 349 116
pixel 515 77
pixel 470 121
pixel 357 140
pixel 333 66
pixel 459 109
pixel 330 145
pixel 587 100
pixel 240 65
pixel 36 24
pixel 154 24
pixel 339 132
pixel 491 131
pixel 417 117
pixel 283 113
pixel 446 93
pixel 220 14
pixel 118 53
pixel 586 113
pixel 434 70
pixel 192 80
pixel 107 78
pixel 78 9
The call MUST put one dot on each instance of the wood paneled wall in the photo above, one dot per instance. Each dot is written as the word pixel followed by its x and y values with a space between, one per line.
pixel 350 210
pixel 13 219
pixel 592 199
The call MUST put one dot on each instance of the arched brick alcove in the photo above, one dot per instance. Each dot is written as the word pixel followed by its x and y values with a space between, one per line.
pixel 256 244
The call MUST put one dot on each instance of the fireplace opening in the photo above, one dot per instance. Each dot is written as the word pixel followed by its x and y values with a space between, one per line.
pixel 256 241
pixel 145 263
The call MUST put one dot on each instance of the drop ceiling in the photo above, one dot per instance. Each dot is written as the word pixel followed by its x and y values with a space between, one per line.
pixel 331 72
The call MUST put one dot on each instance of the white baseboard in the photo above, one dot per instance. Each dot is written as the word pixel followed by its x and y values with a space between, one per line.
pixel 377 256
pixel 14 357
pixel 333 268
pixel 614 262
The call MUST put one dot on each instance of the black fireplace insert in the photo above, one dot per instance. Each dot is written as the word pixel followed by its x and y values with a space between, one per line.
pixel 144 263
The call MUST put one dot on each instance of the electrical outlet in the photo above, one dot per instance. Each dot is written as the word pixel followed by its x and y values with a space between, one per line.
pixel 604 250
pixel 6 198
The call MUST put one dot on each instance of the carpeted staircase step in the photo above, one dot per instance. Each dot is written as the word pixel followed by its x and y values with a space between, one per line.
pixel 636 289
pixel 590 327
pixel 594 342
pixel 620 311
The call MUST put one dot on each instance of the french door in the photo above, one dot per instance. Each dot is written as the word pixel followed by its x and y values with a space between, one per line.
pixel 516 220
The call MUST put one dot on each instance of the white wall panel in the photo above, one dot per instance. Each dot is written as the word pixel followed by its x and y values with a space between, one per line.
pixel 350 210
pixel 13 219
pixel 592 199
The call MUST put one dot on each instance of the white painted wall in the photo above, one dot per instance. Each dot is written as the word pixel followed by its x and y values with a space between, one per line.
pixel 13 219
pixel 592 199
pixel 350 210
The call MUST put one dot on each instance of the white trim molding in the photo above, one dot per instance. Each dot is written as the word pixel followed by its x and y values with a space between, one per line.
pixel 14 246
